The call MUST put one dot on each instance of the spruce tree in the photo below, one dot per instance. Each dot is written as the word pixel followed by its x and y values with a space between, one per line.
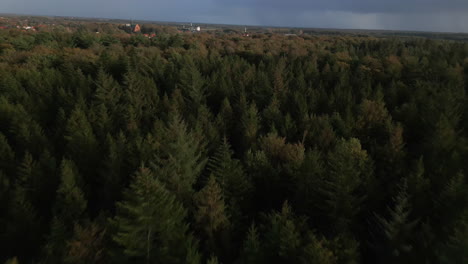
pixel 150 223
pixel 307 184
pixel 230 175
pixel 454 250
pixel 70 204
pixel 451 203
pixel 69 209
pixel 282 239
pixel 225 118
pixel 192 84
pixel 7 155
pixel 250 124
pixel 397 229
pixel 212 260
pixel 81 143
pixel 22 224
pixel 86 245
pixel 181 159
pixel 210 215
pixel 251 251
pixel 344 188
pixel 287 239
pixel 107 90
pixel 112 172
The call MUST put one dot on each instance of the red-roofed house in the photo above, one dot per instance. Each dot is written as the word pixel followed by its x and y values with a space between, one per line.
pixel 136 28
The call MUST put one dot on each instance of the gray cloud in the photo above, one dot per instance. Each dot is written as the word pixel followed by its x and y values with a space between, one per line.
pixel 357 6
pixel 429 15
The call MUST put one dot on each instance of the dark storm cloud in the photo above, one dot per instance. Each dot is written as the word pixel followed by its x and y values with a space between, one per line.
pixel 430 15
pixel 357 6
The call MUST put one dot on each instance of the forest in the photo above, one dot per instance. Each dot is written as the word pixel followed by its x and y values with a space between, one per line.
pixel 222 148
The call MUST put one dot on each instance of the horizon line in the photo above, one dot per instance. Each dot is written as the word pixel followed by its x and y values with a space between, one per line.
pixel 240 25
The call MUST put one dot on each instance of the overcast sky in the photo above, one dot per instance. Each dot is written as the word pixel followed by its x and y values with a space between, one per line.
pixel 427 15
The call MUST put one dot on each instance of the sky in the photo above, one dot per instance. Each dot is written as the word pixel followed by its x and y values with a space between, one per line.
pixel 422 15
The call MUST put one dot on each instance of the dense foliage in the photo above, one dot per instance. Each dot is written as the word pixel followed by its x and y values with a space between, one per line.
pixel 218 148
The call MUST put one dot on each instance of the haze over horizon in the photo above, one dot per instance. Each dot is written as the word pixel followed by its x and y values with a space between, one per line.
pixel 423 15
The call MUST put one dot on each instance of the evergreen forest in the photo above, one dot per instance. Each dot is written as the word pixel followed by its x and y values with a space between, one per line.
pixel 223 148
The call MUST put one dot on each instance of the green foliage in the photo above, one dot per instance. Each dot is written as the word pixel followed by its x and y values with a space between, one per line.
pixel 82 39
pixel 210 205
pixel 398 229
pixel 249 123
pixel 21 220
pixel 210 216
pixel 231 177
pixel 6 154
pixel 213 260
pixel 150 222
pixel 69 209
pixel 87 245
pixel 192 83
pixel 251 252
pixel 344 188
pixel 286 241
pixel 81 143
pixel 231 127
pixel 454 250
pixel 12 261
pixel 70 202
pixel 181 161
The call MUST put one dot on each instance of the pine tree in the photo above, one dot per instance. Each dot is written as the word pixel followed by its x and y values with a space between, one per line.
pixel 5 189
pixel 344 189
pixel 272 115
pixel 112 173
pixel 29 174
pixel 212 260
pixel 251 251
pixel 204 124
pixel 345 249
pixel 6 155
pixel 450 204
pixel 288 239
pixel 192 84
pixel 25 170
pixel 250 123
pixel 229 174
pixel 81 143
pixel 69 209
pixel 150 223
pixel 454 250
pixel 307 184
pixel 101 120
pixel 225 118
pixel 181 160
pixel 282 238
pixel 46 182
pixel 398 229
pixel 315 251
pixel 107 90
pixel 141 94
pixel 21 221
pixel 55 248
pixel 86 245
pixel 22 224
pixel 70 204
pixel 419 190
pixel 210 214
